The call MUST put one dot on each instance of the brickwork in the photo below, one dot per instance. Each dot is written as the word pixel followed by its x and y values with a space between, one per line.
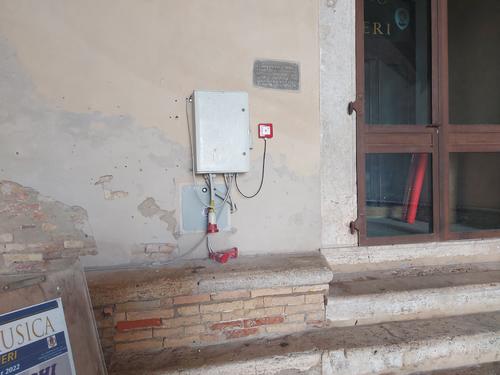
pixel 204 319
pixel 35 231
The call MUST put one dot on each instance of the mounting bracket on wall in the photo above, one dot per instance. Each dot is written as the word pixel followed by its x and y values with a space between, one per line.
pixel 355 106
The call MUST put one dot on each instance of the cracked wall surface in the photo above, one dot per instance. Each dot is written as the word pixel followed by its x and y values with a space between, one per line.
pixel 92 113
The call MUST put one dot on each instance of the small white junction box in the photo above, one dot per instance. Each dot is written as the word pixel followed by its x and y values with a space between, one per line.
pixel 221 132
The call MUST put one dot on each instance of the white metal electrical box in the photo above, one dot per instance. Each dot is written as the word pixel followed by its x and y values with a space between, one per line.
pixel 221 132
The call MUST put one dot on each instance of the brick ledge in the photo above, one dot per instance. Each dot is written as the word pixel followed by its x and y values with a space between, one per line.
pixel 201 277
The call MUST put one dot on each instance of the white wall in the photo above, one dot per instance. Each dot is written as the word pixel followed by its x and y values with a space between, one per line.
pixel 92 88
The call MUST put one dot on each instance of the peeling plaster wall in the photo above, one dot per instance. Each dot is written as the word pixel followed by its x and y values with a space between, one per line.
pixel 92 114
pixel 36 230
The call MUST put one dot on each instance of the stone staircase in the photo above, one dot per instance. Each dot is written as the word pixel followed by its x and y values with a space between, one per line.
pixel 406 347
pixel 387 316
pixel 416 293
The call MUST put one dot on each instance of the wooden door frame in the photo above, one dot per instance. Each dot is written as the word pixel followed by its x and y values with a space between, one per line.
pixel 438 138
pixel 394 139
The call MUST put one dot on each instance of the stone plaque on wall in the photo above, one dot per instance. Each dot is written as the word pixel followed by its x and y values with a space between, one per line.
pixel 278 75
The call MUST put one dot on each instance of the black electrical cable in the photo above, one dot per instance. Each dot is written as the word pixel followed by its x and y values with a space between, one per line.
pixel 261 179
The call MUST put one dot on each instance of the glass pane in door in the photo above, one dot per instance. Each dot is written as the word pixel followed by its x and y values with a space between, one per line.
pixel 474 191
pixel 398 194
pixel 397 62
pixel 474 61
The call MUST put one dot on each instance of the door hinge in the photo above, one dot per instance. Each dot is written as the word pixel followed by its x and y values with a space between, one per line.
pixel 354 226
pixel 355 106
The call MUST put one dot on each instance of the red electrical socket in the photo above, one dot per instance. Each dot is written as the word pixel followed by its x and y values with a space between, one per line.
pixel 265 130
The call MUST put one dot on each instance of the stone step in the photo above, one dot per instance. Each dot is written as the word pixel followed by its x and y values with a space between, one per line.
pixel 394 348
pixel 484 369
pixel 371 258
pixel 377 297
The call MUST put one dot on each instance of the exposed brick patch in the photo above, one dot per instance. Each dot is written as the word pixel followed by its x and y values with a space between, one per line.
pixel 74 244
pixel 137 306
pixel 25 266
pixel 6 237
pixel 168 332
pixel 236 294
pixel 286 328
pixel 181 322
pixel 138 346
pixel 263 321
pixel 133 335
pixel 262 313
pixel 15 247
pixel 118 317
pixel 152 248
pixel 34 230
pixel 107 311
pixel 214 317
pixel 188 300
pixel 225 325
pixel 315 298
pixel 153 314
pixel 221 307
pixel 105 323
pixel 107 333
pixel 295 318
pixel 106 342
pixel 188 310
pixel 239 333
pixel 254 303
pixel 166 302
pixel 315 316
pixel 235 315
pixel 283 301
pixel 22 258
pixel 304 308
pixel 137 324
pixel 194 330
pixel 270 292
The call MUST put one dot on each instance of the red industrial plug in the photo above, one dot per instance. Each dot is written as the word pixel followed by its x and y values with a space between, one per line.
pixel 212 228
pixel 224 256
pixel 212 221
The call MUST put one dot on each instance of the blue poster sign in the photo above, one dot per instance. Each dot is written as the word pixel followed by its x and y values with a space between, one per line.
pixel 34 341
